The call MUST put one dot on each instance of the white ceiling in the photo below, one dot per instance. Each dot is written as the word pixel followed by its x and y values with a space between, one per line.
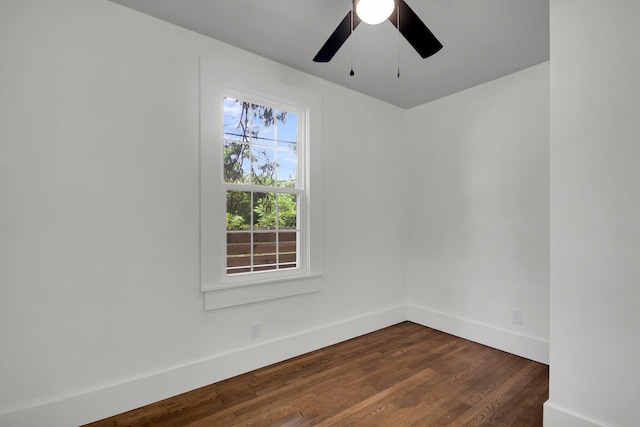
pixel 483 40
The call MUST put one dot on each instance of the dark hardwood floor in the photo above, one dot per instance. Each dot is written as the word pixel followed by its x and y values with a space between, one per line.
pixel 404 375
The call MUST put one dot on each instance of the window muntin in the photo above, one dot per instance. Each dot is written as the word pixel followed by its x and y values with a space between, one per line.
pixel 260 177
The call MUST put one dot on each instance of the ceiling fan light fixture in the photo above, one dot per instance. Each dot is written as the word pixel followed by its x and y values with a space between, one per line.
pixel 374 11
pixel 409 25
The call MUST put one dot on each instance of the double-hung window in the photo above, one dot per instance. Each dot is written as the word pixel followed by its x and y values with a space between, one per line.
pixel 262 144
pixel 260 186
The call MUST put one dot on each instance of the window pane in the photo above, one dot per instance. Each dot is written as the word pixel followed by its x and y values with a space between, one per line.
pixel 264 120
pixel 263 135
pixel 287 211
pixel 264 209
pixel 235 122
pixel 287 130
pixel 239 213
pixel 238 252
pixel 287 250
pixel 239 243
pixel 236 162
pixel 265 248
pixel 265 254
pixel 287 168
pixel 263 165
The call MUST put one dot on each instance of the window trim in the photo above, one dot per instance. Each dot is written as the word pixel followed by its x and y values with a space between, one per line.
pixel 219 79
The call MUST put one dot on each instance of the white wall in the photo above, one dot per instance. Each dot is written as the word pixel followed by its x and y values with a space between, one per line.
pixel 100 307
pixel 595 211
pixel 478 212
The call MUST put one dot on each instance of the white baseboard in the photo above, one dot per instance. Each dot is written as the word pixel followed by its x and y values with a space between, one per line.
pixel 520 345
pixel 118 398
pixel 554 416
pixel 114 399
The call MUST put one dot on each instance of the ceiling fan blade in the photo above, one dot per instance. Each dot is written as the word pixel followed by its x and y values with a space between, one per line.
pixel 337 38
pixel 414 30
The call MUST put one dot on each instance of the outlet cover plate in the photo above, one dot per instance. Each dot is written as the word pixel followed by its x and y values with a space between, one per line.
pixel 254 330
pixel 516 317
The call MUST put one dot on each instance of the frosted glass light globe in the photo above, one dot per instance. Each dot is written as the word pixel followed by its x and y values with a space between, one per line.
pixel 374 11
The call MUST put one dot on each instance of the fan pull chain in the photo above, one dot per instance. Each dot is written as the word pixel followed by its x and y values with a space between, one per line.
pixel 353 10
pixel 398 26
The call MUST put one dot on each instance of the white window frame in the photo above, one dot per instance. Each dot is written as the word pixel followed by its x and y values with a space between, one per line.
pixel 300 190
pixel 217 80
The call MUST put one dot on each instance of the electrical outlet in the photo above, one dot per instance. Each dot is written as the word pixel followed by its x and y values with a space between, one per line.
pixel 254 330
pixel 516 317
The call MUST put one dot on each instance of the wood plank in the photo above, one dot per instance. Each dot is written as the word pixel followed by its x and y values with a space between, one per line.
pixel 493 403
pixel 261 248
pixel 244 261
pixel 380 400
pixel 403 375
pixel 245 237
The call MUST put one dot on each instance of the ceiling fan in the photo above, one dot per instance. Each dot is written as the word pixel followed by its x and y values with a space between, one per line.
pixel 374 12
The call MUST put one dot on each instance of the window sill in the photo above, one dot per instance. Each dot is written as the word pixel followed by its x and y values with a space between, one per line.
pixel 231 296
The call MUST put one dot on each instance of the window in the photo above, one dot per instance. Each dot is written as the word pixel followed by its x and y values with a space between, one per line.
pixel 260 186
pixel 260 178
